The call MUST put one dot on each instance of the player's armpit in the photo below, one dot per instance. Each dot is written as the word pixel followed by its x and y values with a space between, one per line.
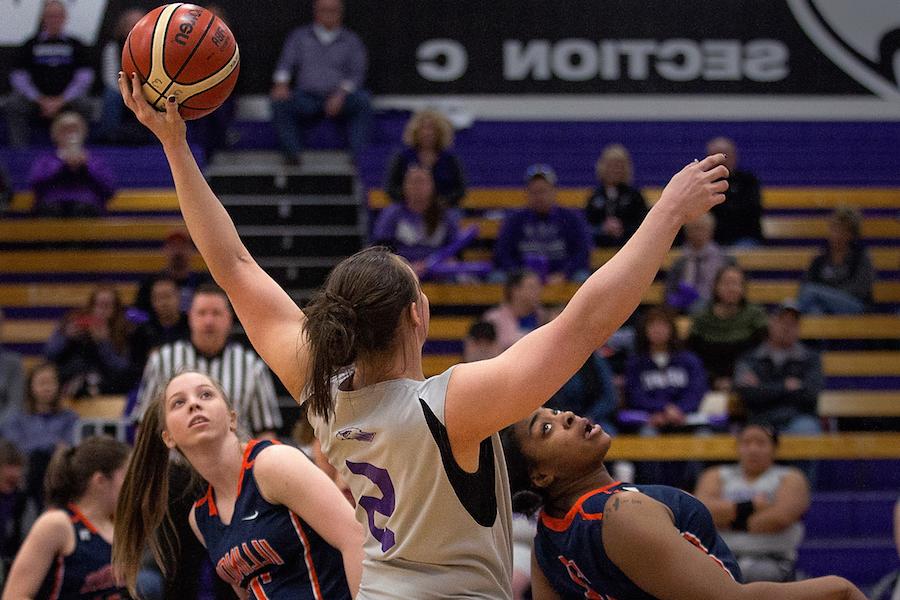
pixel 641 539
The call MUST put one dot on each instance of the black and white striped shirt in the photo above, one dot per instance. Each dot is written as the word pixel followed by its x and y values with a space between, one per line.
pixel 242 373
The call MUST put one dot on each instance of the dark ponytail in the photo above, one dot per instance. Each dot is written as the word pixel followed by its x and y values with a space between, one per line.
pixel 526 499
pixel 70 469
pixel 355 317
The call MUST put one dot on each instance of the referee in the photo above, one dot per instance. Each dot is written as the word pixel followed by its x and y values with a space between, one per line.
pixel 243 374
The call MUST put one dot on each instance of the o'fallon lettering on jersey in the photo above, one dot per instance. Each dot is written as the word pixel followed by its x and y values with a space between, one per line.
pixel 245 560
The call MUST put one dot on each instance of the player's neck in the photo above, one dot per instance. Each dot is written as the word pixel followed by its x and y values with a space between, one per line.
pixel 399 366
pixel 219 465
pixel 566 493
pixel 95 509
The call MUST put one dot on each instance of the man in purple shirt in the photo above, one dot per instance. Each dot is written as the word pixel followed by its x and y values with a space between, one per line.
pixel 326 64
pixel 52 74
pixel 547 238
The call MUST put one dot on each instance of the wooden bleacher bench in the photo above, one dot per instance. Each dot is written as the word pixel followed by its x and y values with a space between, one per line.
pixel 82 230
pixel 101 415
pixel 774 198
pixel 773 227
pixel 88 261
pixel 833 446
pixel 750 259
pixel 56 294
pixel 832 327
pixel 130 200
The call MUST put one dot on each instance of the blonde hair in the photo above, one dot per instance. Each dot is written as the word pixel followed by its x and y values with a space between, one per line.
pixel 613 151
pixel 68 118
pixel 441 124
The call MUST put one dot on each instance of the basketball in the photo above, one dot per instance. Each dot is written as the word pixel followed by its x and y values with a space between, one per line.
pixel 183 50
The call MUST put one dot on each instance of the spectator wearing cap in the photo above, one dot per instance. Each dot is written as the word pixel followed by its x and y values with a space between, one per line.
pixel 543 236
pixel 739 216
pixel 757 505
pixel 839 281
pixel 615 208
pixel 179 250
pixel 779 381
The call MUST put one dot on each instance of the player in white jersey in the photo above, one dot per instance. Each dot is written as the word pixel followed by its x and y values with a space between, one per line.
pixel 421 456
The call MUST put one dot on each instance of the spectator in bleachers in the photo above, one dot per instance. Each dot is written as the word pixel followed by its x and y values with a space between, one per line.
pixel 726 327
pixel 12 379
pixel 419 226
pixel 779 381
pixel 167 323
pixel 757 506
pixel 13 501
pixel 549 239
pixel 615 208
pixel 42 427
pixel 661 378
pixel 91 347
pixel 427 137
pixel 326 63
pixel 50 74
pixel 739 218
pixel 521 310
pixel 71 181
pixel 480 342
pixel 839 281
pixel 215 132
pixel 245 377
pixel 689 281
pixel 179 251
pixel 117 125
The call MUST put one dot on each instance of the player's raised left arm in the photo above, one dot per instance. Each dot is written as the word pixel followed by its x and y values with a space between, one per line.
pixel 270 317
pixel 285 476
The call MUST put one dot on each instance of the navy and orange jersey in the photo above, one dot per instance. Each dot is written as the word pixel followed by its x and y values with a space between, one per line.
pixel 570 550
pixel 86 574
pixel 267 549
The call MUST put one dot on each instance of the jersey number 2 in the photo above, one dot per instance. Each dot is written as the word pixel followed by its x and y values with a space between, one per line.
pixel 384 505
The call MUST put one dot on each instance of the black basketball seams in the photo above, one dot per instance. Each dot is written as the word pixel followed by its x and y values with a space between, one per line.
pixel 174 77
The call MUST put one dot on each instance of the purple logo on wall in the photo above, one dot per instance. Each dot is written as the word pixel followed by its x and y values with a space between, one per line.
pixel 354 433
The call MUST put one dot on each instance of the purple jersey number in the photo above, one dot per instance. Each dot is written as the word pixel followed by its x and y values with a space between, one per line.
pixel 383 505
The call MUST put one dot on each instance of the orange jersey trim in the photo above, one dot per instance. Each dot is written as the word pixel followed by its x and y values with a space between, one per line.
pixel 78 517
pixel 561 524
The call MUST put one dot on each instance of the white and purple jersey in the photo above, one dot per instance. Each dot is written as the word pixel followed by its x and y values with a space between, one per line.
pixel 434 530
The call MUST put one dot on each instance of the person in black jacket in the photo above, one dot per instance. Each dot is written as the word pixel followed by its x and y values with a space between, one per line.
pixel 839 281
pixel 615 208
pixel 738 219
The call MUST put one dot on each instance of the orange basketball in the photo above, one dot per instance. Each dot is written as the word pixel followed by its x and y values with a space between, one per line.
pixel 183 50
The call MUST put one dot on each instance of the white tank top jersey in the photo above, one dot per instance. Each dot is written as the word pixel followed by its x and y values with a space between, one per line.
pixel 434 531
pixel 736 488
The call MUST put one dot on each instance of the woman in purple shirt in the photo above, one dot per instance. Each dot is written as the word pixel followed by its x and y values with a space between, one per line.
pixel 71 182
pixel 419 226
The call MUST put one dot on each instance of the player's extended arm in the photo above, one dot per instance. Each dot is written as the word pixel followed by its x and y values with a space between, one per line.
pixel 272 320
pixel 528 373
pixel 641 539
pixel 46 540
pixel 285 476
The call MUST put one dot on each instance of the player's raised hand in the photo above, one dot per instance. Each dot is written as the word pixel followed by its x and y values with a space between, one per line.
pixel 696 188
pixel 169 127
